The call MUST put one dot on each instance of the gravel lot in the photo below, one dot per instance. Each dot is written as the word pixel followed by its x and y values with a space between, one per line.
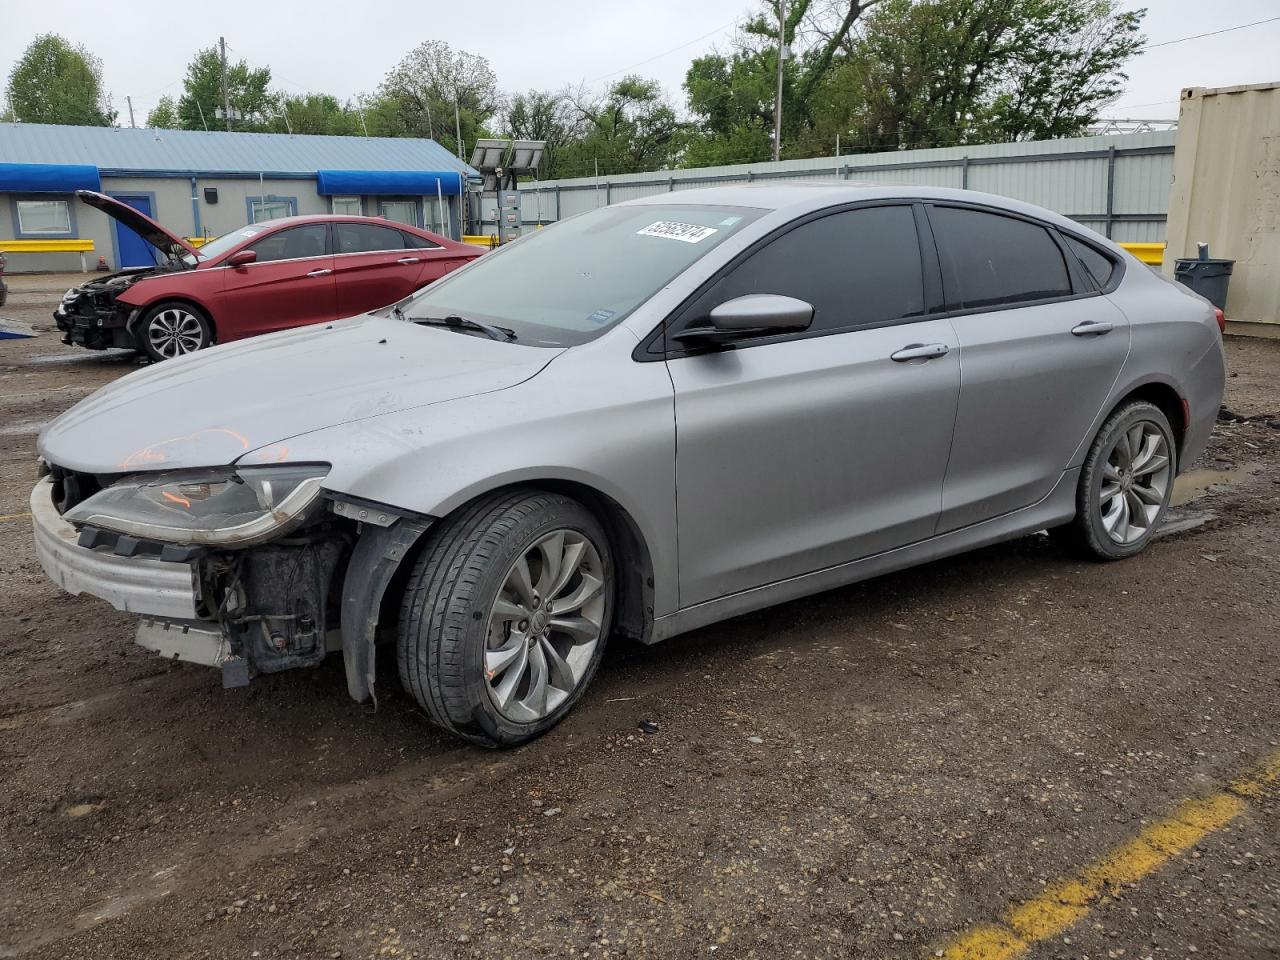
pixel 866 773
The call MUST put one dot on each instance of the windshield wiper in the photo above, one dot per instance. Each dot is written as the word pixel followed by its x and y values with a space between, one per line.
pixel 455 322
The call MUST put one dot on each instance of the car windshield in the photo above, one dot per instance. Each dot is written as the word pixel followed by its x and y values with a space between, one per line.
pixel 568 283
pixel 220 245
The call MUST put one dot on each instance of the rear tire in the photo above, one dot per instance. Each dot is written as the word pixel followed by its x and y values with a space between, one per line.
pixel 1125 484
pixel 505 616
pixel 173 329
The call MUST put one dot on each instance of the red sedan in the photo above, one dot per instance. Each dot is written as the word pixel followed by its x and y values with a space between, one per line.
pixel 257 279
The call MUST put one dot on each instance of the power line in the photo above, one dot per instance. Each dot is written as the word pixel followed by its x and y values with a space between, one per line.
pixel 1211 33
pixel 711 33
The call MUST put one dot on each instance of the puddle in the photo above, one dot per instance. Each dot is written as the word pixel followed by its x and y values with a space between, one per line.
pixel 1196 483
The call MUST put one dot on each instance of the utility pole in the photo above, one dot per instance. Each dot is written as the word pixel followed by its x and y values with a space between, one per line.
pixel 129 101
pixel 777 100
pixel 457 122
pixel 226 94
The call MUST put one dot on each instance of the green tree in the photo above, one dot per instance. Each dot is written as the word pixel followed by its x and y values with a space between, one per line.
pixel 164 116
pixel 944 72
pixel 419 96
pixel 1069 65
pixel 202 94
pixel 732 96
pixel 314 113
pixel 546 116
pixel 55 81
pixel 890 74
pixel 630 129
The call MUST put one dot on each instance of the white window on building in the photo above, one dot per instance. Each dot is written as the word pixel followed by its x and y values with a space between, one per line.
pixel 270 209
pixel 401 211
pixel 348 206
pixel 44 217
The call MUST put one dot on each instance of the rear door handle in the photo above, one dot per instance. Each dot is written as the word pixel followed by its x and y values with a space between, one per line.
pixel 409 260
pixel 1091 328
pixel 319 273
pixel 920 351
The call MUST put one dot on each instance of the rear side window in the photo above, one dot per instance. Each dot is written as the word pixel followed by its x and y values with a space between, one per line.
pixel 989 260
pixel 311 240
pixel 857 268
pixel 412 242
pixel 365 238
pixel 1099 266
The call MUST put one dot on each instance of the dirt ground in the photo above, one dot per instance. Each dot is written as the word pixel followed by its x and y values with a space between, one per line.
pixel 866 773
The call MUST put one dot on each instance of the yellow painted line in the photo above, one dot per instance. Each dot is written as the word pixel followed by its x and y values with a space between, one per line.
pixel 14 516
pixel 1064 903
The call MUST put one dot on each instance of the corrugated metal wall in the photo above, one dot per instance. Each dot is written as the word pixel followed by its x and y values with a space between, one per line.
pixel 1117 185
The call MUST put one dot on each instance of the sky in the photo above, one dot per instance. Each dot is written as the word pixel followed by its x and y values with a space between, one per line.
pixel 344 48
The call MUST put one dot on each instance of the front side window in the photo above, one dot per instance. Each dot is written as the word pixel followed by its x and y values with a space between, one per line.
pixel 348 206
pixel 570 282
pixel 401 211
pixel 294 243
pixel 44 217
pixel 990 260
pixel 269 209
pixel 858 268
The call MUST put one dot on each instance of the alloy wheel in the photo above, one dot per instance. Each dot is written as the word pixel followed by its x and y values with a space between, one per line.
pixel 173 332
pixel 1135 482
pixel 544 626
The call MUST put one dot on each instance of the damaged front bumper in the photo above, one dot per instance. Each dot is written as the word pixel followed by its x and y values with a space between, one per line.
pixel 133 584
pixel 279 605
pixel 247 612
pixel 95 327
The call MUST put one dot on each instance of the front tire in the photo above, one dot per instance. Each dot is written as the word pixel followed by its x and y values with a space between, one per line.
pixel 1125 483
pixel 505 616
pixel 173 329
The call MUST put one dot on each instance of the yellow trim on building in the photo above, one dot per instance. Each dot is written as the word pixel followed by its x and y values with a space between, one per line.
pixel 46 246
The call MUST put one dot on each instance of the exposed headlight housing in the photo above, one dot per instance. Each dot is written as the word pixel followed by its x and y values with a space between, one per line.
pixel 224 508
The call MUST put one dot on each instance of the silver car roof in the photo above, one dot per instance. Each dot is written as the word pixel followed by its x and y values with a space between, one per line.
pixel 798 198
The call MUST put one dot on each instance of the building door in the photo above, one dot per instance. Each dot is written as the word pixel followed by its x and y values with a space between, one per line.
pixel 132 249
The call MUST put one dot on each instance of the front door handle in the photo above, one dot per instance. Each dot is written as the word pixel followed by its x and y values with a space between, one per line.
pixel 319 273
pixel 1091 328
pixel 920 351
pixel 409 260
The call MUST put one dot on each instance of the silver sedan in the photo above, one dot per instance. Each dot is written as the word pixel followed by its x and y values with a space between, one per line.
pixel 636 422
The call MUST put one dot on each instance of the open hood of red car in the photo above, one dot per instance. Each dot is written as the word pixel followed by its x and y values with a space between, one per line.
pixel 167 243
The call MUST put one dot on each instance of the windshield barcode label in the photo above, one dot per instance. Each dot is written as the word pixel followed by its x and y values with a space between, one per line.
pixel 674 230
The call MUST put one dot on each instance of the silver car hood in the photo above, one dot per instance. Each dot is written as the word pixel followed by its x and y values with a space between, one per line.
pixel 246 399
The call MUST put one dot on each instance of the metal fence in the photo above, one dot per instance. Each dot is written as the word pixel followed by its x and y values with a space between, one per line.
pixel 1117 185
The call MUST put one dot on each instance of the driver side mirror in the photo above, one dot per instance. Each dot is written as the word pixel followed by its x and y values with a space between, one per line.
pixel 242 257
pixel 755 315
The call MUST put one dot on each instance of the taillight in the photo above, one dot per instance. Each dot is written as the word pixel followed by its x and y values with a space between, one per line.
pixel 1222 320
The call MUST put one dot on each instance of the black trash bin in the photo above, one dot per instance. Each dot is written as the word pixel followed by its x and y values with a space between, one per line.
pixel 1207 277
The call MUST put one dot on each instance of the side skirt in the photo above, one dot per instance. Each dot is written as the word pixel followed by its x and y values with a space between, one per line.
pixel 1058 507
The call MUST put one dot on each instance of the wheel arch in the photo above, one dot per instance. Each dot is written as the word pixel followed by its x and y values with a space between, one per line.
pixel 187 299
pixel 1166 398
pixel 379 565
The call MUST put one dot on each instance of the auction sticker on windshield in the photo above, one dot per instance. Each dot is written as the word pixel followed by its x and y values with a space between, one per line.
pixel 675 230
